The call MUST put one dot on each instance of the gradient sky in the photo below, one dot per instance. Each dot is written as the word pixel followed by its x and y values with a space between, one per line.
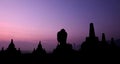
pixel 28 21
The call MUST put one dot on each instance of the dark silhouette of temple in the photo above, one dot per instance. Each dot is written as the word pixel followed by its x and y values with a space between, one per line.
pixel 104 44
pixel 63 47
pixel 62 37
pixel 39 50
pixel 91 43
pixel 11 50
pixel 92 49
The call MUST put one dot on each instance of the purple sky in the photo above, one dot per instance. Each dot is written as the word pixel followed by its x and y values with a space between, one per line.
pixel 28 21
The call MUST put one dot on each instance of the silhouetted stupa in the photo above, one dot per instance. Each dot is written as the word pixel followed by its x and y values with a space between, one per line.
pixel 11 49
pixel 11 46
pixel 104 44
pixel 92 41
pixel 103 37
pixel 92 37
pixel 113 45
pixel 39 50
pixel 91 31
